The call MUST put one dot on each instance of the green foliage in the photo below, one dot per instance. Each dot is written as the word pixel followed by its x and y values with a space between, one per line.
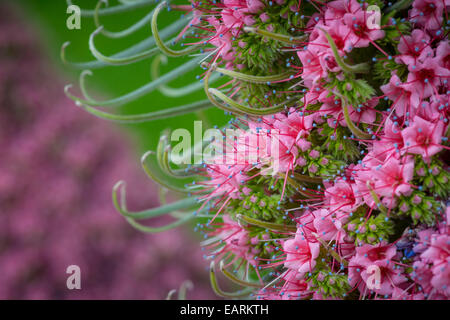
pixel 338 143
pixel 419 207
pixel 328 283
pixel 261 206
pixel 432 177
pixel 383 69
pixel 370 229
pixel 356 91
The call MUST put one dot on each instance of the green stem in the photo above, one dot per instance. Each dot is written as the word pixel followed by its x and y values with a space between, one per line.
pixel 175 92
pixel 162 155
pixel 375 198
pixel 166 50
pixel 353 128
pixel 173 74
pixel 279 37
pixel 126 32
pixel 304 178
pixel 266 225
pixel 151 116
pixel 358 68
pixel 399 5
pixel 138 49
pixel 220 292
pixel 118 61
pixel 213 99
pixel 247 110
pixel 115 10
pixel 255 79
pixel 152 175
pixel 236 280
pixel 120 205
pixel 167 227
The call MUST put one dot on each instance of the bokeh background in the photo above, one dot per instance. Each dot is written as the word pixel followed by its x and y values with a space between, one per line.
pixel 59 164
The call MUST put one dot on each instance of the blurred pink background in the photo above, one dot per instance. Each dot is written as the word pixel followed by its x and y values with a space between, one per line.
pixel 57 169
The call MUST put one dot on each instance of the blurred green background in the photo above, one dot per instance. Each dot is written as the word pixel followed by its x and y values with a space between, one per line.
pixel 49 17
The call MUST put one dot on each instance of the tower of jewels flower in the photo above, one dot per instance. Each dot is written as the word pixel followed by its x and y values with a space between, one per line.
pixel 352 203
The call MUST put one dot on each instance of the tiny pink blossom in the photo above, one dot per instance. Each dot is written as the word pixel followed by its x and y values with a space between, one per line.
pixel 423 137
pixel 301 254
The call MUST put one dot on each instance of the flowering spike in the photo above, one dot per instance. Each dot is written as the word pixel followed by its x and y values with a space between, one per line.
pixel 327 176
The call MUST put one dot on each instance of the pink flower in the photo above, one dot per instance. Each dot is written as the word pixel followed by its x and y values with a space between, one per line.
pixel 305 226
pixel 225 179
pixel 338 32
pixel 443 54
pixel 403 96
pixel 392 135
pixel 294 289
pixel 222 39
pixel 414 48
pixel 253 148
pixel 236 12
pixel 426 77
pixel 365 112
pixel 236 239
pixel 422 275
pixel 393 176
pixel 400 294
pixel 441 276
pixel 438 250
pixel 361 35
pixel 293 127
pixel 379 259
pixel 254 6
pixel 337 9
pixel 332 108
pixel 437 110
pixel 424 240
pixel 423 137
pixel 328 227
pixel 427 13
pixel 301 254
pixel 313 70
pixel 341 197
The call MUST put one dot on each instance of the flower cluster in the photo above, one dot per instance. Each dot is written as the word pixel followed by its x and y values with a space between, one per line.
pixel 339 184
